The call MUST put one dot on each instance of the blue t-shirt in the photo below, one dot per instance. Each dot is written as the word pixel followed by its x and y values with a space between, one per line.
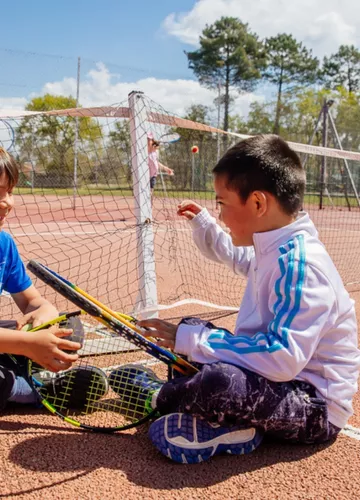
pixel 13 276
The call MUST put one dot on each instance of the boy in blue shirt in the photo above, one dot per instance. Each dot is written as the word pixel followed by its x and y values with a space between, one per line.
pixel 291 367
pixel 45 347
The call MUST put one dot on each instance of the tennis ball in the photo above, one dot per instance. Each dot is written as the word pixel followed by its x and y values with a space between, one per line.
pixel 27 327
pixel 194 149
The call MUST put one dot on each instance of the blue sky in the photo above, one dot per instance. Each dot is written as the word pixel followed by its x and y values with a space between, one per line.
pixel 127 45
pixel 127 34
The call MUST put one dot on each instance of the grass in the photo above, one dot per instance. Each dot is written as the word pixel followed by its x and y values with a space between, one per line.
pixel 106 191
pixel 337 201
pixel 112 191
pixel 124 191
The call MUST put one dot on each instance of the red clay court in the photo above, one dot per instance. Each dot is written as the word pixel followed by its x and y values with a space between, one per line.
pixel 96 245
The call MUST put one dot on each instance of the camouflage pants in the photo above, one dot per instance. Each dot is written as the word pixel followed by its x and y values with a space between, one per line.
pixel 229 395
pixel 7 374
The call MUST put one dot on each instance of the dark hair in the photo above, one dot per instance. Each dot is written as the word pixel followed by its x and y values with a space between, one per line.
pixel 155 143
pixel 265 163
pixel 9 166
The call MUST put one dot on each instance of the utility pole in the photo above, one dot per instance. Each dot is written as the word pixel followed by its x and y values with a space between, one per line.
pixel 76 140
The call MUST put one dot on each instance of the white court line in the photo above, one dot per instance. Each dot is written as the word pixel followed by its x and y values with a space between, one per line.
pixel 338 229
pixel 352 432
pixel 142 362
pixel 84 233
pixel 63 233
pixel 84 223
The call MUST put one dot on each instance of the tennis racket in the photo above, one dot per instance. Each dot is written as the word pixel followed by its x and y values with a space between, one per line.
pixel 97 392
pixel 7 135
pixel 169 138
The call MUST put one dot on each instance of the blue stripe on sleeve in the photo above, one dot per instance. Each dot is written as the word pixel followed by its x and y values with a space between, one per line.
pixel 299 285
pixel 271 341
pixel 287 293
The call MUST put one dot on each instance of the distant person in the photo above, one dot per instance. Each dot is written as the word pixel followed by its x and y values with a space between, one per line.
pixel 155 166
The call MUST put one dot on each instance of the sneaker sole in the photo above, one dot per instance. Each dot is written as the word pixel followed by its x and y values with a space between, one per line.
pixel 80 387
pixel 182 438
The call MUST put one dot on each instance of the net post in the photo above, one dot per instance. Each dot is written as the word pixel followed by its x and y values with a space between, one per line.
pixel 147 298
pixel 323 162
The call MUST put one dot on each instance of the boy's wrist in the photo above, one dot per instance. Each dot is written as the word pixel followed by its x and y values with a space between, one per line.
pixel 202 219
pixel 182 340
pixel 14 341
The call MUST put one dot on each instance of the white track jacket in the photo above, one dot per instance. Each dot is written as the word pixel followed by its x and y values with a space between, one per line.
pixel 296 320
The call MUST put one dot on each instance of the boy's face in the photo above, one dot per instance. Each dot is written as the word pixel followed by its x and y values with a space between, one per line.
pixel 6 199
pixel 240 218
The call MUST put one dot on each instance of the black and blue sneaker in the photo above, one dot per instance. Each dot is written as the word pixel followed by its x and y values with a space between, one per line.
pixel 188 440
pixel 135 385
pixel 75 389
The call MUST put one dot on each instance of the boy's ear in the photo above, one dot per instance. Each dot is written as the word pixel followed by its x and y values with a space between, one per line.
pixel 260 203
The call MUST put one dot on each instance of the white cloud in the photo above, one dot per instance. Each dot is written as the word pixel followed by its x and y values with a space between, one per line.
pixel 322 25
pixel 98 88
pixel 101 88
pixel 7 106
pixel 12 103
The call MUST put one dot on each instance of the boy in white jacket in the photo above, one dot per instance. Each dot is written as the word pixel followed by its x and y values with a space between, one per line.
pixel 292 365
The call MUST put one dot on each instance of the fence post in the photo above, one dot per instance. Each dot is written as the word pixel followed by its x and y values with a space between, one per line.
pixel 147 297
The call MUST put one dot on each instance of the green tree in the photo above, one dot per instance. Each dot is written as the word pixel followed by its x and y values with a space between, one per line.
pixel 259 120
pixel 238 124
pixel 49 140
pixel 289 64
pixel 342 69
pixel 300 113
pixel 347 118
pixel 118 157
pixel 230 56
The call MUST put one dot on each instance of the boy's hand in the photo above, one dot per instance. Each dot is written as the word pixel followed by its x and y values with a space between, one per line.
pixel 188 209
pixel 37 317
pixel 160 329
pixel 45 348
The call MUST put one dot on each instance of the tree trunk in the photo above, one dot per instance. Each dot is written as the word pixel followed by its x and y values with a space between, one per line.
pixel 226 107
pixel 276 129
pixel 350 86
pixel 226 104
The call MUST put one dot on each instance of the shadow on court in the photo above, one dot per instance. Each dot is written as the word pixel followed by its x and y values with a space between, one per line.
pixel 81 453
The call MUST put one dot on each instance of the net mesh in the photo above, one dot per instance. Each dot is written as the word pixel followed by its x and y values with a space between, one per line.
pixel 98 391
pixel 76 209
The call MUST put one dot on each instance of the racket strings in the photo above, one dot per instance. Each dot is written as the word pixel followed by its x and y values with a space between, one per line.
pixel 87 404
pixel 122 404
pixel 57 397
